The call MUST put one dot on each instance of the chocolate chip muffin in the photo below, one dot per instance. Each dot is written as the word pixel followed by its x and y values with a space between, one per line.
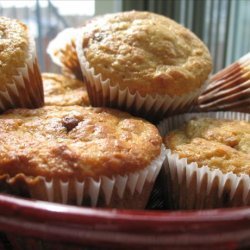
pixel 80 155
pixel 145 55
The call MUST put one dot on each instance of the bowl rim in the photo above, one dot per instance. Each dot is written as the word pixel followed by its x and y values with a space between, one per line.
pixel 16 206
pixel 112 227
pixel 10 205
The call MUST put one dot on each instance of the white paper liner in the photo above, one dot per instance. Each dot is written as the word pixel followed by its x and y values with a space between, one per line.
pixel 193 187
pixel 60 42
pixel 229 89
pixel 102 93
pixel 244 61
pixel 112 190
pixel 62 52
pixel 24 89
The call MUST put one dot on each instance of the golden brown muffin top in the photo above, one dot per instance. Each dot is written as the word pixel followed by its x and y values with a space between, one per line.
pixel 146 52
pixel 13 48
pixel 61 90
pixel 74 141
pixel 219 144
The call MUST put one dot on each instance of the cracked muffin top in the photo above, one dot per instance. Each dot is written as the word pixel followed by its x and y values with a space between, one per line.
pixel 146 52
pixel 74 141
pixel 13 48
pixel 61 90
pixel 219 144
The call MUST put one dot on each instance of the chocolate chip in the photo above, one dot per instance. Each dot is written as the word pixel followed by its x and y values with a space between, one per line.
pixel 98 37
pixel 70 122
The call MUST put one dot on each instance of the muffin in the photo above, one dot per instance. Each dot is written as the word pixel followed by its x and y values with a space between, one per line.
pixel 142 62
pixel 61 90
pixel 20 78
pixel 79 155
pixel 208 162
pixel 229 89
pixel 62 52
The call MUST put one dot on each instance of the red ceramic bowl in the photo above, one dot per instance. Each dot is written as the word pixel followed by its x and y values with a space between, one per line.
pixel 27 224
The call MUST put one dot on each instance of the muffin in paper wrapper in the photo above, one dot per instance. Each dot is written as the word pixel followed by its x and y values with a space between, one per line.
pixel 188 186
pixel 25 89
pixel 152 107
pixel 121 191
pixel 229 89
pixel 63 53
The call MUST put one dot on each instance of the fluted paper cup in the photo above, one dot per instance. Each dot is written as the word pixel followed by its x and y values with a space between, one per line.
pixel 120 191
pixel 63 53
pixel 229 89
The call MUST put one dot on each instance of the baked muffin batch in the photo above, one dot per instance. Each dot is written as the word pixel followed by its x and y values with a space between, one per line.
pixel 61 141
